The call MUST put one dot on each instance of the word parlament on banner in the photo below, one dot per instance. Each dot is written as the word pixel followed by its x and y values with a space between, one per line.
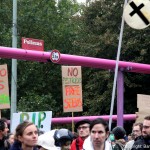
pixel 137 14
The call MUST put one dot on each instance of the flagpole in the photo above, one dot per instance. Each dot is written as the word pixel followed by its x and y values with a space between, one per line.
pixel 116 70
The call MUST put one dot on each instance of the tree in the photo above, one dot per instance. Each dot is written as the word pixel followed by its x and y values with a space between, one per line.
pixel 102 21
pixel 95 33
pixel 40 84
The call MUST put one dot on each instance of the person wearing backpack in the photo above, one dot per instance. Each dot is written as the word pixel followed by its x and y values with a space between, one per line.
pixel 119 134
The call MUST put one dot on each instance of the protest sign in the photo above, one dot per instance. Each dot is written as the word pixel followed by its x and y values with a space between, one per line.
pixel 72 88
pixel 4 90
pixel 41 119
pixel 143 105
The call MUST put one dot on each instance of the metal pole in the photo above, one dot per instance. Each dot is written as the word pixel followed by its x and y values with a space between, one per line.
pixel 116 70
pixel 14 61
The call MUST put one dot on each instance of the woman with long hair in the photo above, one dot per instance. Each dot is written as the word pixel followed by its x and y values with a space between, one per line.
pixel 26 136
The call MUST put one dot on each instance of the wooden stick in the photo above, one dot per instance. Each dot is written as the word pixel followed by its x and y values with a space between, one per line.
pixel 72 122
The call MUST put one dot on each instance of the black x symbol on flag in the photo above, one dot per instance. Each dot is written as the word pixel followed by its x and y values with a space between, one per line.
pixel 136 10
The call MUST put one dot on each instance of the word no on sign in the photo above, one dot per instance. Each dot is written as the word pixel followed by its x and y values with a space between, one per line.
pixel 55 56
pixel 137 13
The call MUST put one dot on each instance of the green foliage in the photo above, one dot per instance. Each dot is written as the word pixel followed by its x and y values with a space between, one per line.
pixel 51 22
pixel 5 23
pixel 95 33
pixel 102 22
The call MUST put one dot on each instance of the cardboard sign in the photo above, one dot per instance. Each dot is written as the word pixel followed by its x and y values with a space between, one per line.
pixel 32 44
pixel 141 115
pixel 72 88
pixel 41 119
pixel 4 90
pixel 143 102
pixel 143 105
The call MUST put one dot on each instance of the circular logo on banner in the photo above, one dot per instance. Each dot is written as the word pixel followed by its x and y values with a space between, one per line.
pixel 137 13
pixel 55 56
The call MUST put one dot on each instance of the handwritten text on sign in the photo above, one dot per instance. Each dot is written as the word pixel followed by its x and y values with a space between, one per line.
pixel 41 119
pixel 4 90
pixel 72 88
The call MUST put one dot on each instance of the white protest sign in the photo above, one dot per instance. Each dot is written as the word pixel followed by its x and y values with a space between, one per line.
pixel 137 13
pixel 41 119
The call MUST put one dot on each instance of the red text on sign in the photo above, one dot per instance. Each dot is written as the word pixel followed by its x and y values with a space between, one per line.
pixel 72 71
pixel 72 90
pixel 3 72
pixel 72 103
pixel 1 85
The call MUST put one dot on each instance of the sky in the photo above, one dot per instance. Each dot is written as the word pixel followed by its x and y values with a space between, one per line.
pixel 81 1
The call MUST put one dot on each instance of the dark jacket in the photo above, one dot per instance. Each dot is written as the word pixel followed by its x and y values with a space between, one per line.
pixel 119 145
pixel 141 144
pixel 17 146
pixel 4 145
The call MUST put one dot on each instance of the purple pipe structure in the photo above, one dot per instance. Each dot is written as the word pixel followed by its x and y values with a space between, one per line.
pixel 22 54
pixel 120 98
pixel 68 120
pixel 65 59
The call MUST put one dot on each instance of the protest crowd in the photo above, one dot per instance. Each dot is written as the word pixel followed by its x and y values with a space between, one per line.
pixel 90 135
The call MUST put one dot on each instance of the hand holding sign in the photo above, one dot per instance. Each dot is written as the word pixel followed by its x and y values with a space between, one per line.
pixel 137 14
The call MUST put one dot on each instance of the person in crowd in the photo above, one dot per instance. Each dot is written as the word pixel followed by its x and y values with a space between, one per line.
pixel 46 142
pixel 111 139
pixel 83 130
pixel 137 129
pixel 3 133
pixel 99 133
pixel 26 136
pixel 119 134
pixel 130 142
pixel 55 139
pixel 130 137
pixel 137 132
pixel 9 140
pixel 143 143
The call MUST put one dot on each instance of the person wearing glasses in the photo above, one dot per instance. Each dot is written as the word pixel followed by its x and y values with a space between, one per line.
pixel 83 130
pixel 136 132
pixel 144 142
